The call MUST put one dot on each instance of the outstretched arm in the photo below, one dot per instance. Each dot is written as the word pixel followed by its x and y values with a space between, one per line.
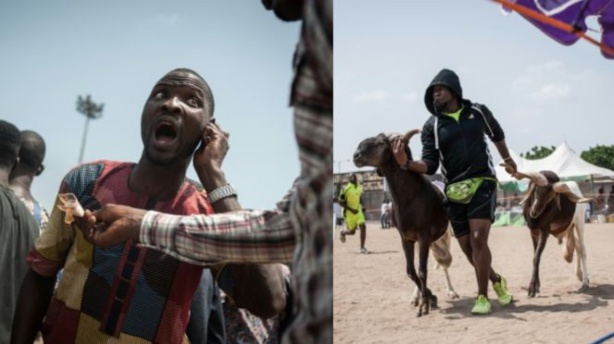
pixel 258 288
pixel 234 237
pixel 264 236
pixel 510 164
pixel 497 136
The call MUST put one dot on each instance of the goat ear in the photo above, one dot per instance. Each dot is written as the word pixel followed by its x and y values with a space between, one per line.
pixel 379 172
pixel 561 187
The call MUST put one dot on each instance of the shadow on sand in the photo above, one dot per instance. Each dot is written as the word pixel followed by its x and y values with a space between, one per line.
pixel 597 296
pixel 602 291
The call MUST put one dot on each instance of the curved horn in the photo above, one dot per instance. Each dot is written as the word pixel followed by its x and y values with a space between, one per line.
pixel 409 134
pixel 561 187
pixel 536 177
pixel 528 195
pixel 392 136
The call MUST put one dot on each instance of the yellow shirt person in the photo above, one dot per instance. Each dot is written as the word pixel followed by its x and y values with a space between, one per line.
pixel 349 199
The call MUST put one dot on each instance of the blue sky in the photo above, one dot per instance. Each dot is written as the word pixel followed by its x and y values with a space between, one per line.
pixel 53 51
pixel 541 92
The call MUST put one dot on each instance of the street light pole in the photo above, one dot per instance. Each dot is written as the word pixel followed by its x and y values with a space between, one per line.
pixel 87 122
pixel 90 110
pixel 339 164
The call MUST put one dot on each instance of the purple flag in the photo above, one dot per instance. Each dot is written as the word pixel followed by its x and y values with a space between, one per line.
pixel 573 12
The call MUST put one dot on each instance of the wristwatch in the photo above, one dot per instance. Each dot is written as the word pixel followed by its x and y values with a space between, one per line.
pixel 222 192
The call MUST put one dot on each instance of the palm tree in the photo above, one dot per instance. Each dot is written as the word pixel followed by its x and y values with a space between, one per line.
pixel 91 110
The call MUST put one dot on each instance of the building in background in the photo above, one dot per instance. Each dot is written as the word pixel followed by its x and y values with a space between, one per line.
pixel 375 190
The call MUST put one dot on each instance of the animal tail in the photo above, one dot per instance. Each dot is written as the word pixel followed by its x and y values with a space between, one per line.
pixel 441 250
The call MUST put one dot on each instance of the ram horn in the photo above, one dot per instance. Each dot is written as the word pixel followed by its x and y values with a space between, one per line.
pixel 393 136
pixel 528 195
pixel 563 188
pixel 408 135
pixel 536 177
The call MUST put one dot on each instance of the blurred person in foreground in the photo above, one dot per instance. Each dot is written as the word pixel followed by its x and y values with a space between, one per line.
pixel 18 230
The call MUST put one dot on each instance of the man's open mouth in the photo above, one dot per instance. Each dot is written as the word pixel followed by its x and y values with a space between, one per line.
pixel 165 132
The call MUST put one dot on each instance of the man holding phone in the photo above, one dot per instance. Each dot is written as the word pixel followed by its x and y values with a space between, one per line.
pixel 129 292
pixel 299 228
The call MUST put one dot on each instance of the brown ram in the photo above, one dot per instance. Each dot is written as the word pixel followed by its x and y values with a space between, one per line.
pixel 418 212
pixel 555 207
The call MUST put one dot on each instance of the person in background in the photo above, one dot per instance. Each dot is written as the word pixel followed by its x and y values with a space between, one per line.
pixel 18 230
pixel 611 201
pixel 31 156
pixel 350 199
pixel 385 213
pixel 391 214
pixel 599 202
pixel 515 201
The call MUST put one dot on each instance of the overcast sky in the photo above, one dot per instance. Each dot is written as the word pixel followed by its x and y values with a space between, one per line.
pixel 541 92
pixel 53 51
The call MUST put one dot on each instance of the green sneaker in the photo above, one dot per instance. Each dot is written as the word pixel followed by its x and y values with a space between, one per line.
pixel 482 305
pixel 504 296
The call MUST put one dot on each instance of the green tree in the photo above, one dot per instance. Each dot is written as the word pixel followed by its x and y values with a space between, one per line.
pixel 90 110
pixel 538 152
pixel 602 156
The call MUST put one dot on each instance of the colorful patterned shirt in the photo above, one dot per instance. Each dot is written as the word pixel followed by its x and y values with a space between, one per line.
pixel 38 211
pixel 123 294
pixel 242 327
pixel 302 222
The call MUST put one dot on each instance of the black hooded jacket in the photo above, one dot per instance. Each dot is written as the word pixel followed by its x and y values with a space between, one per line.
pixel 461 146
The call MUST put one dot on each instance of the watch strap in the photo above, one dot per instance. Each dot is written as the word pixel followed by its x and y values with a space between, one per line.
pixel 222 192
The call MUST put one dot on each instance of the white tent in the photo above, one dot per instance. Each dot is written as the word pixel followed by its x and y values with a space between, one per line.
pixel 563 161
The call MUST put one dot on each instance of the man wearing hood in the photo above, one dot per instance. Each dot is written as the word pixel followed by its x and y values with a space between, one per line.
pixel 454 137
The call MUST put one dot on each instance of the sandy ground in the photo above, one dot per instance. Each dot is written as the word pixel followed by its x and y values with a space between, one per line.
pixel 372 292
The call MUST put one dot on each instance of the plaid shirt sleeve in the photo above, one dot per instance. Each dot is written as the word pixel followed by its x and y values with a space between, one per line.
pixel 245 236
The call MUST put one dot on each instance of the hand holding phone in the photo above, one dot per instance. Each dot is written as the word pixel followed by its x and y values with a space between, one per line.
pixel 210 155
